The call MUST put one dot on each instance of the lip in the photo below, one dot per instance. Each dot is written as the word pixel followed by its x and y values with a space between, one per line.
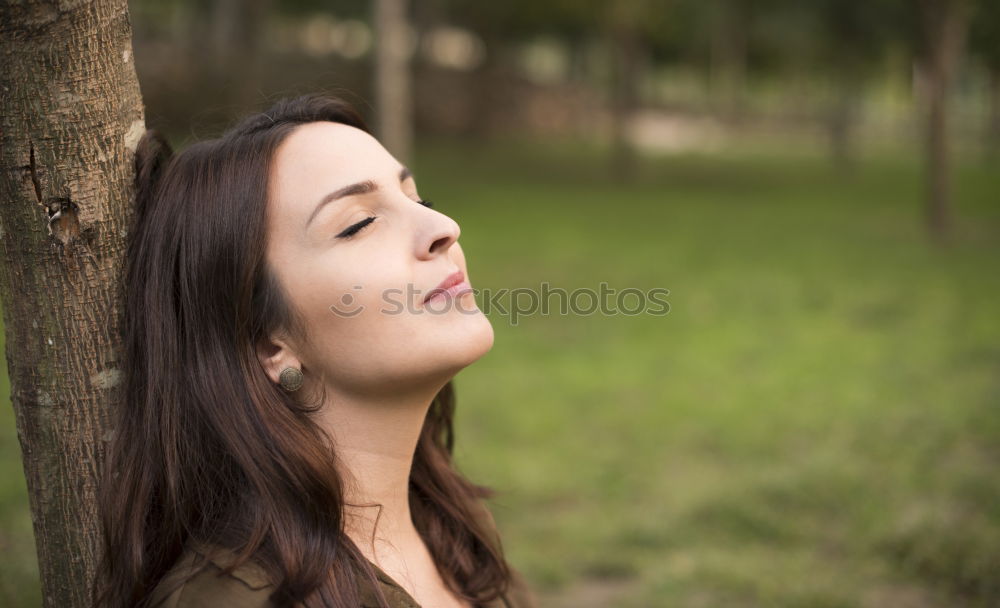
pixel 451 286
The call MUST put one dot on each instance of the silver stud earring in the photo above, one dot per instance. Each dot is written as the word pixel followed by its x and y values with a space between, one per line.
pixel 291 379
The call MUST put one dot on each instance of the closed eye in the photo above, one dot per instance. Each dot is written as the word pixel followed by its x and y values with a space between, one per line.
pixel 356 228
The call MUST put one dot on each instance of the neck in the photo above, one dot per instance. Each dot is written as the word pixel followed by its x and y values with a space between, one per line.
pixel 375 439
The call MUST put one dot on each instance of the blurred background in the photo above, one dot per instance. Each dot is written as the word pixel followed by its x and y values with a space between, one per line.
pixel 816 422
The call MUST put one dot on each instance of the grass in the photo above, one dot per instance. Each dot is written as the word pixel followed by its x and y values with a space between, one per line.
pixel 815 423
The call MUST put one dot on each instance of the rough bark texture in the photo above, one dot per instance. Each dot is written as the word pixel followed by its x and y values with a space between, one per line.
pixel 71 114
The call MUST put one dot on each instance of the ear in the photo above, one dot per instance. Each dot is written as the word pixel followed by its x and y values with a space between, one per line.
pixel 275 354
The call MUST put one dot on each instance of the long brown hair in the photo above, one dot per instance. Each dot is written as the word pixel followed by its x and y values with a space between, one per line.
pixel 206 448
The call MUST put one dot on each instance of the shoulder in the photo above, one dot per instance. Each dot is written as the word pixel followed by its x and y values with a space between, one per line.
pixel 199 580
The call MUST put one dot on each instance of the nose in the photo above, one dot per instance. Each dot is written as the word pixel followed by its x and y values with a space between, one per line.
pixel 441 233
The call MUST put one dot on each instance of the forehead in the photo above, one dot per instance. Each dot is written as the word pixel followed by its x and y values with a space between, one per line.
pixel 338 153
pixel 319 157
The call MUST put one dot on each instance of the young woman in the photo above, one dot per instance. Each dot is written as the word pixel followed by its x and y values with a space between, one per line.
pixel 294 315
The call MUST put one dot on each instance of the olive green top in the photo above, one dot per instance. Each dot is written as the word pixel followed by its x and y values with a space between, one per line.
pixel 248 586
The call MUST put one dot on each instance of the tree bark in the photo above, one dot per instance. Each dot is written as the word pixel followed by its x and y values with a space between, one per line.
pixel 394 100
pixel 71 114
pixel 944 23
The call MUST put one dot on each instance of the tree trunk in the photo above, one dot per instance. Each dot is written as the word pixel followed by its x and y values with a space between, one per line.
pixel 842 119
pixel 944 24
pixel 236 30
pixel 624 99
pixel 729 58
pixel 71 114
pixel 993 128
pixel 492 94
pixel 393 99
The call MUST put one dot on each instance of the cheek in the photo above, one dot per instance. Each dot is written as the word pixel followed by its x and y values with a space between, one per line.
pixel 352 276
pixel 349 298
pixel 351 336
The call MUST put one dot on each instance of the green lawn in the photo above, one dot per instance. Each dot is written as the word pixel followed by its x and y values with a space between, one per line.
pixel 815 423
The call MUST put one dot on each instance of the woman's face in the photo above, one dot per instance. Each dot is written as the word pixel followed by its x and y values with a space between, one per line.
pixel 361 295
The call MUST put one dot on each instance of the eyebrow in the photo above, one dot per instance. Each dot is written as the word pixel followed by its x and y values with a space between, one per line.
pixel 365 187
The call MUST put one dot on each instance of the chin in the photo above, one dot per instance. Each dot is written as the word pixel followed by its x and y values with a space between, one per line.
pixel 464 342
pixel 477 340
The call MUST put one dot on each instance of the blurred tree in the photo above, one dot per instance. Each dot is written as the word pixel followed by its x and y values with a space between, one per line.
pixel 237 29
pixel 624 20
pixel 730 27
pixel 627 28
pixel 354 9
pixel 393 97
pixel 943 27
pixel 502 26
pixel 984 42
pixel 852 36
pixel 70 117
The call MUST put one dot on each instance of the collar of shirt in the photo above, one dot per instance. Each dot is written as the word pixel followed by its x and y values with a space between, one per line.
pixel 256 578
pixel 397 596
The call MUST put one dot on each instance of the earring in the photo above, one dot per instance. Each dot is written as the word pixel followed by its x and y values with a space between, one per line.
pixel 291 379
